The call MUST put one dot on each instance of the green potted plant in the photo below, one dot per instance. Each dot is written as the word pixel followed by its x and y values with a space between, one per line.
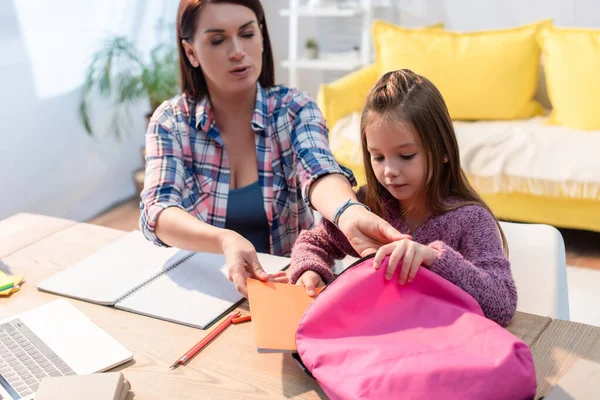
pixel 312 48
pixel 119 73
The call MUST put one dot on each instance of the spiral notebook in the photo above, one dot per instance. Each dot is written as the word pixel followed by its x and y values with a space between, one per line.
pixel 175 285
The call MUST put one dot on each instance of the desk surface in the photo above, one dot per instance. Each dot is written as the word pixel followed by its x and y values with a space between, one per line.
pixel 21 230
pixel 230 368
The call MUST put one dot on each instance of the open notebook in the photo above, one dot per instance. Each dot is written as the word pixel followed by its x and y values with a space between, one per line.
pixel 167 283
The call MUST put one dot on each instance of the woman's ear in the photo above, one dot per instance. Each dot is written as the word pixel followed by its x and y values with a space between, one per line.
pixel 445 159
pixel 190 53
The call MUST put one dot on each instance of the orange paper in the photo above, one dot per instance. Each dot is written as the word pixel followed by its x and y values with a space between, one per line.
pixel 276 310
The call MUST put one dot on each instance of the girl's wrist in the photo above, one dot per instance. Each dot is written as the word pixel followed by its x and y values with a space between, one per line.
pixel 432 257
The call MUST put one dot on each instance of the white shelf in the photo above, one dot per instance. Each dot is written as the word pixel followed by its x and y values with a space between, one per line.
pixel 333 61
pixel 323 64
pixel 322 12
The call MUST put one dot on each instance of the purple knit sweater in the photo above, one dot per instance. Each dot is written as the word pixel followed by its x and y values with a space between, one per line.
pixel 469 254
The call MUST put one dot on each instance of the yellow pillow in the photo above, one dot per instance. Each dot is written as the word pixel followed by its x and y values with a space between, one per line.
pixel 344 141
pixel 572 68
pixel 348 93
pixel 482 75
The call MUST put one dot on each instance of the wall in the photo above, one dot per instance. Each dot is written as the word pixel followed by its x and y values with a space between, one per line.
pixel 51 166
pixel 48 164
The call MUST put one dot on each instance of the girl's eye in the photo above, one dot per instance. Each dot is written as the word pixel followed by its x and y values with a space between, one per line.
pixel 217 42
pixel 378 159
pixel 408 157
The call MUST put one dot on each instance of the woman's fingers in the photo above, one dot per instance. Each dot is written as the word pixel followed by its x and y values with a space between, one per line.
pixel 409 254
pixel 253 267
pixel 238 277
pixel 279 277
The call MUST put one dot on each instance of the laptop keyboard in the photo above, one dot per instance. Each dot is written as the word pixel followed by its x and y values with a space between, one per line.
pixel 25 359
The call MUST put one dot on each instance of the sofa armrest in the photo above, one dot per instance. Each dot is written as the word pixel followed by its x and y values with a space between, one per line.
pixel 346 94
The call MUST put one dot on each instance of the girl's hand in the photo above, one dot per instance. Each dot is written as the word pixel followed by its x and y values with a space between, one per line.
pixel 412 255
pixel 310 280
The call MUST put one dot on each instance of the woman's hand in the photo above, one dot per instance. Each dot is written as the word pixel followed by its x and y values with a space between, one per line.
pixel 310 280
pixel 411 253
pixel 365 231
pixel 279 277
pixel 242 261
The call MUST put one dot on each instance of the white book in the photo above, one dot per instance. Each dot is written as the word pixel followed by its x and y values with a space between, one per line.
pixel 167 283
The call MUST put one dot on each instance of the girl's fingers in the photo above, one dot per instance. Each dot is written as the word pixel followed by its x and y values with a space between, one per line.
pixel 414 268
pixel 381 254
pixel 395 258
pixel 309 285
pixel 409 254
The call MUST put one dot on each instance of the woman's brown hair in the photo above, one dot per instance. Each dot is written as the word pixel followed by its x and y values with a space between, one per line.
pixel 405 97
pixel 193 83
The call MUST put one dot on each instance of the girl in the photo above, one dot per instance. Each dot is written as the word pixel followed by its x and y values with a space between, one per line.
pixel 415 182
pixel 232 162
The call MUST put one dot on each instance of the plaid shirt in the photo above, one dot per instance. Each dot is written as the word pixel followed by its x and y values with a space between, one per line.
pixel 187 167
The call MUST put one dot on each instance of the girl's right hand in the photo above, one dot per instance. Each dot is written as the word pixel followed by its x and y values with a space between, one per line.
pixel 310 280
pixel 410 254
pixel 242 261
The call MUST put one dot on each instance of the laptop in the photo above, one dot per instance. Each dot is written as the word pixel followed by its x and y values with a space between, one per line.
pixel 54 339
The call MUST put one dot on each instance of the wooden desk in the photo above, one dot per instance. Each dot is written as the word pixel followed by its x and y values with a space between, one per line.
pixel 21 230
pixel 230 368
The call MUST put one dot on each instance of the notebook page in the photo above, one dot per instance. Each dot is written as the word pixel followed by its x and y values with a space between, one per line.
pixel 195 293
pixel 114 270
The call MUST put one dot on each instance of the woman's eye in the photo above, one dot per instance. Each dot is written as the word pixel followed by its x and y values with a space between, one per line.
pixel 408 157
pixel 248 35
pixel 217 42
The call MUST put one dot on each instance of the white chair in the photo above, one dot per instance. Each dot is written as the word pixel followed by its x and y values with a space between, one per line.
pixel 539 267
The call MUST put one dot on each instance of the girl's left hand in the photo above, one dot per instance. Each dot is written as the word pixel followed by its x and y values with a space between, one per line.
pixel 412 255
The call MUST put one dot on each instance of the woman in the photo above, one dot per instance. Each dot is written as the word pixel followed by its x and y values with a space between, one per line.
pixel 229 162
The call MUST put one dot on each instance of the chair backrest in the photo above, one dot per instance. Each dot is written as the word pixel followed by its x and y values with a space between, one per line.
pixel 539 267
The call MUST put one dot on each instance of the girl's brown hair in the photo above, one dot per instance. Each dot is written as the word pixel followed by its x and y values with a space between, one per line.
pixel 405 97
pixel 193 83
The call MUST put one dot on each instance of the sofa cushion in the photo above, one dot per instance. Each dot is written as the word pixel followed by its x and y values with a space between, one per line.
pixel 530 156
pixel 487 75
pixel 525 156
pixel 572 62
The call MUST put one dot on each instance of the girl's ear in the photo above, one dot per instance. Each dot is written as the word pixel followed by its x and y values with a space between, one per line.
pixel 445 159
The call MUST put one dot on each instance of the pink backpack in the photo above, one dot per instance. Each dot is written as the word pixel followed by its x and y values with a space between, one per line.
pixel 367 338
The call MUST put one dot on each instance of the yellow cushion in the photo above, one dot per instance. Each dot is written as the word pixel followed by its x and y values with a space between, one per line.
pixel 344 141
pixel 482 75
pixel 572 68
pixel 348 93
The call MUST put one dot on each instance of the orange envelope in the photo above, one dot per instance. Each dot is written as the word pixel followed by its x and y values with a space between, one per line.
pixel 276 309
